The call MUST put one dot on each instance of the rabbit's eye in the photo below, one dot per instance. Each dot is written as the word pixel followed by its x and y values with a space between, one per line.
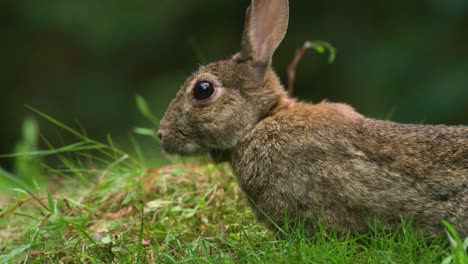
pixel 203 90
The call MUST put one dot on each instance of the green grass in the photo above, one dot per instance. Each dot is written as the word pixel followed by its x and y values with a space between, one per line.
pixel 100 204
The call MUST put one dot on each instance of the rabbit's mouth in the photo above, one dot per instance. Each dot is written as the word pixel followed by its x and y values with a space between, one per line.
pixel 183 150
pixel 181 145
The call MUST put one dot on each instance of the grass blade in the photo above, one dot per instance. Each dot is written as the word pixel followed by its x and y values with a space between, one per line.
pixel 7 258
pixel 144 109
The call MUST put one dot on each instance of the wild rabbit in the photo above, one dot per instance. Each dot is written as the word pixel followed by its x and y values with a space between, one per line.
pixel 315 162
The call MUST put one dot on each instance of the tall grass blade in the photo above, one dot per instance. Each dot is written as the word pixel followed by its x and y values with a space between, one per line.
pixel 144 109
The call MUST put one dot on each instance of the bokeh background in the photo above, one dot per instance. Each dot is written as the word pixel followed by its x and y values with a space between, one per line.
pixel 83 62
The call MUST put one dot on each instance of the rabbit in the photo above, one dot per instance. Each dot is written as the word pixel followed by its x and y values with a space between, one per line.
pixel 315 163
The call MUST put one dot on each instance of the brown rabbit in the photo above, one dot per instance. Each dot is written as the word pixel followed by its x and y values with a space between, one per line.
pixel 322 162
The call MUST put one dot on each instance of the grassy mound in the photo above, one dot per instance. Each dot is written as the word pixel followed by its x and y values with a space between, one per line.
pixel 102 205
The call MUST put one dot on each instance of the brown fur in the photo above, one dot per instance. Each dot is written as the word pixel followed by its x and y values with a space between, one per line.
pixel 322 162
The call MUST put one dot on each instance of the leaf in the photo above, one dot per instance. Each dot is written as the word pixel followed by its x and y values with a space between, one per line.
pixel 140 238
pixel 453 242
pixel 56 122
pixel 13 178
pixel 76 147
pixel 111 144
pixel 447 260
pixel 89 144
pixel 138 150
pixel 459 254
pixel 19 190
pixel 156 204
pixel 145 132
pixel 76 202
pixel 320 47
pixel 50 200
pixel 177 172
pixel 144 109
pixel 188 213
pixel 452 235
pixel 14 253
pixel 106 240
pixel 30 132
pixel 9 210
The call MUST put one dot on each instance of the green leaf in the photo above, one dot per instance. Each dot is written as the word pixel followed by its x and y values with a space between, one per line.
pixel 51 202
pixel 145 132
pixel 89 143
pixel 459 254
pixel 13 178
pixel 447 260
pixel 321 46
pixel 76 147
pixel 177 171
pixel 453 242
pixel 19 190
pixel 140 238
pixel 14 253
pixel 144 109
pixel 138 150
pixel 111 145
pixel 106 240
pixel 320 49
pixel 56 122
pixel 30 131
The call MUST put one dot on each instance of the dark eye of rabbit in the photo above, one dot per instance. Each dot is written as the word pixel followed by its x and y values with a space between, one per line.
pixel 203 90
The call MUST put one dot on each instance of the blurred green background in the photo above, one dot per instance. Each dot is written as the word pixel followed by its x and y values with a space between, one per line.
pixel 83 62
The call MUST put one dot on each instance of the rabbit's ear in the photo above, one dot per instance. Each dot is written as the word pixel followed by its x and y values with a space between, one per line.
pixel 265 26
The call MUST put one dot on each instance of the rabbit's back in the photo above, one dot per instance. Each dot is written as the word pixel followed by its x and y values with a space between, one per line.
pixel 327 162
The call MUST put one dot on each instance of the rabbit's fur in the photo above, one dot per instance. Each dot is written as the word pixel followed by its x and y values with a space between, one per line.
pixel 322 162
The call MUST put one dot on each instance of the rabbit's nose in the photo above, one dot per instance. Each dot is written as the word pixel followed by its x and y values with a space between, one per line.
pixel 162 133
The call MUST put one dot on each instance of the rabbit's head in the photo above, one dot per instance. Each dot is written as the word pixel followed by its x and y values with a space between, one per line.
pixel 224 100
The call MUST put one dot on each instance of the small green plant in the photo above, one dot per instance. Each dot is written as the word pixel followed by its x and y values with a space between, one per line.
pixel 142 106
pixel 27 167
pixel 320 47
pixel 458 247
